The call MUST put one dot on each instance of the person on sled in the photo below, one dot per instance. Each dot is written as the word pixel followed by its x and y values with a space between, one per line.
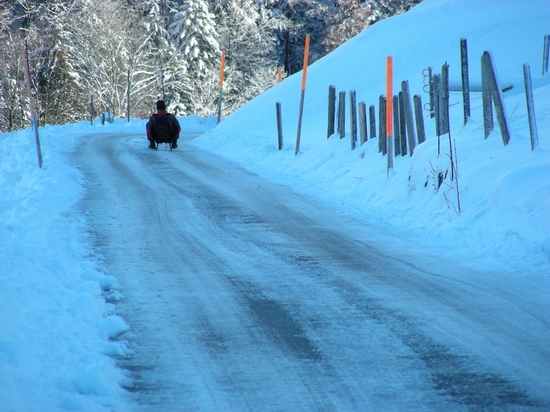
pixel 163 127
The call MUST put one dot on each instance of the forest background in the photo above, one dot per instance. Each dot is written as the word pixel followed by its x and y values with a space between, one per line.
pixel 139 51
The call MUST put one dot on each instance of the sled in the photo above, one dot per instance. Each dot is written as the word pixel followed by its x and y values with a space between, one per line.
pixel 169 144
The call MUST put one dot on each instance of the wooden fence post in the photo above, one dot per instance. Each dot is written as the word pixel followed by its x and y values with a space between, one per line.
pixel 411 135
pixel 545 53
pixel 331 110
pixel 488 76
pixel 444 109
pixel 396 126
pixel 465 79
pixel 362 123
pixel 279 125
pixel 372 121
pixel 420 131
pixel 437 112
pixel 382 125
pixel 488 122
pixel 431 93
pixel 402 125
pixel 530 106
pixel 91 110
pixel 353 117
pixel 342 114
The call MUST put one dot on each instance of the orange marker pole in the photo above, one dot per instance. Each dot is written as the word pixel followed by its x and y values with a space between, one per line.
pixel 389 110
pixel 300 113
pixel 279 75
pixel 222 72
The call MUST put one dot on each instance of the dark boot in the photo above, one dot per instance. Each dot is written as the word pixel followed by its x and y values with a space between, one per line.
pixel 174 144
pixel 152 145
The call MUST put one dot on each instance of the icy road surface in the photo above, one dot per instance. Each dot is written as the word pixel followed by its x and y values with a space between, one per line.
pixel 244 295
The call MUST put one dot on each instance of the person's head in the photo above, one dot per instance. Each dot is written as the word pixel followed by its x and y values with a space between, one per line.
pixel 161 105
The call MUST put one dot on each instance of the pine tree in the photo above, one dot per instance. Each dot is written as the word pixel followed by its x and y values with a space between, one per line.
pixel 158 70
pixel 193 31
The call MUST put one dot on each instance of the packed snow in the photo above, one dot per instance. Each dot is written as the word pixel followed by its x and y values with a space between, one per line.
pixel 57 304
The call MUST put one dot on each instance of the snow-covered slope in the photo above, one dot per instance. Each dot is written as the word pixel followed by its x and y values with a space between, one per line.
pixel 504 191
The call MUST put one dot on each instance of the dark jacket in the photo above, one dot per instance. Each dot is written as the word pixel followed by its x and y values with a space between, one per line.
pixel 173 124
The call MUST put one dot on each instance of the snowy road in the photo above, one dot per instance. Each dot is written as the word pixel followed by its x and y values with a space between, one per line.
pixel 243 295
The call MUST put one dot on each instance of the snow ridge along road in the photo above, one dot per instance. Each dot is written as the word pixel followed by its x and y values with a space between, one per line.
pixel 244 295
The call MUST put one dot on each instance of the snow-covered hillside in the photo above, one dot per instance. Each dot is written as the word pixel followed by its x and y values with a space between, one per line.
pixel 504 191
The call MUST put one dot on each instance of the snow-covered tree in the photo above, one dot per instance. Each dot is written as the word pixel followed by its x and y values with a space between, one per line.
pixel 302 17
pixel 13 110
pixel 194 31
pixel 162 71
pixel 245 30
pixel 351 18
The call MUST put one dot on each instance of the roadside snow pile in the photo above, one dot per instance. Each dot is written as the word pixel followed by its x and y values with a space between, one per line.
pixel 51 296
